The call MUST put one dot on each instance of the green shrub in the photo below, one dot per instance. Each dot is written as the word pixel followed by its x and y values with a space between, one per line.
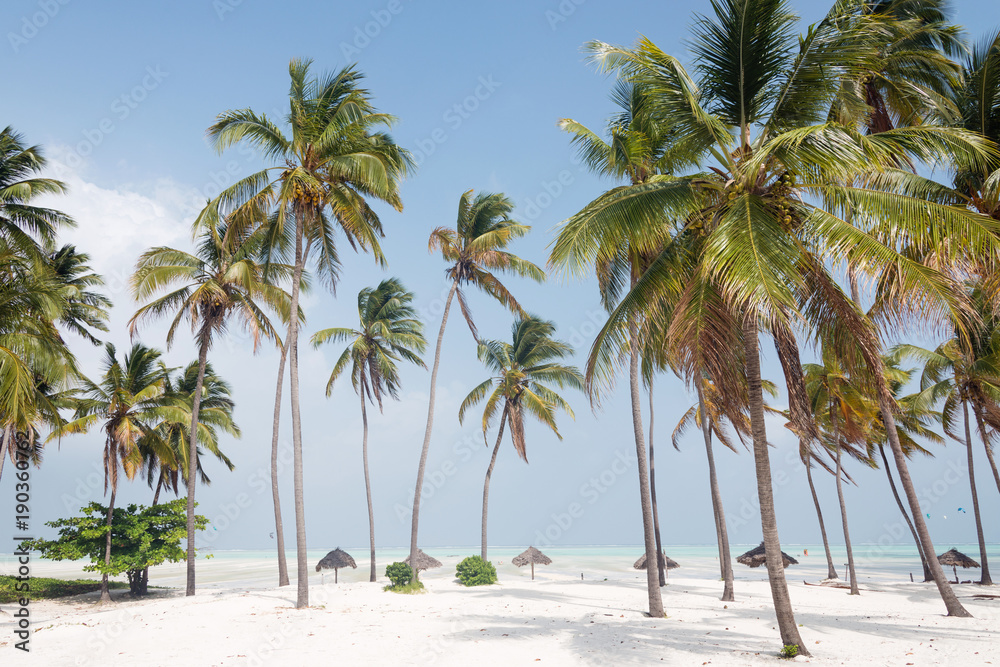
pixel 789 651
pixel 400 574
pixel 474 571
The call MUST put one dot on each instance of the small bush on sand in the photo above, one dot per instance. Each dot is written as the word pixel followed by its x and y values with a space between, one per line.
pixel 474 571
pixel 401 577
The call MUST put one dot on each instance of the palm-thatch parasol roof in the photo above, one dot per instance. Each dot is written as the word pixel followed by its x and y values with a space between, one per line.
pixel 531 556
pixel 335 560
pixel 424 562
pixel 755 558
pixel 670 563
pixel 956 558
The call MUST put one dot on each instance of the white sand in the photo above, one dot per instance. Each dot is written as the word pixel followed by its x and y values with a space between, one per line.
pixel 555 620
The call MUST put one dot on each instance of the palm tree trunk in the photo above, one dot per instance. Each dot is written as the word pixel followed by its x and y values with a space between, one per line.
pixel 982 434
pixel 831 571
pixel 427 432
pixel 721 532
pixel 279 529
pixel 192 472
pixel 660 565
pixel 768 521
pixel 984 578
pixel 906 515
pixel 948 596
pixel 652 580
pixel 302 566
pixel 4 439
pixel 105 591
pixel 144 579
pixel 368 483
pixel 843 505
pixel 489 474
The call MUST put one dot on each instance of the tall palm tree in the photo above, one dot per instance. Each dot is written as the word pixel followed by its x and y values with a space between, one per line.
pixel 770 215
pixel 388 332
pixel 523 371
pixel 963 377
pixel 220 282
pixel 335 157
pixel 639 149
pixel 127 403
pixel 709 416
pixel 475 250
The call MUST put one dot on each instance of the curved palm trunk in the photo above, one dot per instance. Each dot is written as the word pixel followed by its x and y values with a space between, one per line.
pixel 984 578
pixel 982 434
pixel 368 484
pixel 279 529
pixel 843 505
pixel 652 580
pixel 105 592
pixel 192 477
pixel 427 432
pixel 721 532
pixel 660 565
pixel 948 596
pixel 489 474
pixel 906 515
pixel 768 521
pixel 831 571
pixel 4 438
pixel 302 593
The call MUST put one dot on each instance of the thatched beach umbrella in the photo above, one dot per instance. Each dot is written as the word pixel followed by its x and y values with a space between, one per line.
pixel 956 559
pixel 670 563
pixel 335 560
pixel 755 558
pixel 424 562
pixel 530 557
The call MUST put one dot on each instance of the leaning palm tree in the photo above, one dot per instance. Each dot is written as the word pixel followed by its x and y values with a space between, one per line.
pixel 523 371
pixel 388 332
pixel 336 155
pixel 475 250
pixel 768 223
pixel 639 149
pixel 127 403
pixel 220 282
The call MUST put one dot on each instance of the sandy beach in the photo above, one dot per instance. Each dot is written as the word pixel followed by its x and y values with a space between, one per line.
pixel 556 619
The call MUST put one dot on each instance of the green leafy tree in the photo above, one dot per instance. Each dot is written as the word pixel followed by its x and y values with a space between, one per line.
pixel 475 251
pixel 336 156
pixel 220 283
pixel 142 537
pixel 524 371
pixel 388 332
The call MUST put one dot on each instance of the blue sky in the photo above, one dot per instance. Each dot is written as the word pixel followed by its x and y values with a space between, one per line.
pixel 120 95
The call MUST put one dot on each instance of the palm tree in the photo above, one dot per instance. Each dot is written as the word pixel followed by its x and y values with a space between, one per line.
pixel 165 456
pixel 838 404
pixel 84 309
pixel 769 218
pixel 128 403
pixel 524 370
pixel 709 416
pixel 388 332
pixel 220 282
pixel 29 229
pixel 321 175
pixel 639 149
pixel 474 250
pixel 963 377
